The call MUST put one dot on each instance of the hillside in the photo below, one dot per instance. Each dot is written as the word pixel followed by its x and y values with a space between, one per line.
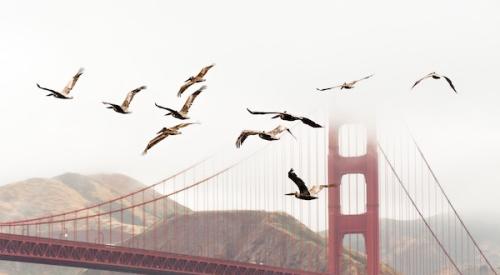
pixel 250 236
pixel 411 245
pixel 41 196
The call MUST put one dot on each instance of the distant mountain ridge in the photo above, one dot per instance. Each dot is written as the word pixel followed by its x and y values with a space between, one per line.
pixel 37 197
pixel 483 228
pixel 250 236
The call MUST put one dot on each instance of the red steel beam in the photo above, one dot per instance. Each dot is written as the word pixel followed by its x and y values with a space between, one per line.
pixel 97 256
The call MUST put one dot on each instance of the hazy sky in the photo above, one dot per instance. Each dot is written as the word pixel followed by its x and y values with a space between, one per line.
pixel 269 55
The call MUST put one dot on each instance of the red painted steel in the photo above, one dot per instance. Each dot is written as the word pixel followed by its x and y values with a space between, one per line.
pixel 366 224
pixel 106 257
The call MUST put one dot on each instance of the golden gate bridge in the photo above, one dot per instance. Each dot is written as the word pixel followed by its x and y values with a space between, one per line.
pixel 390 214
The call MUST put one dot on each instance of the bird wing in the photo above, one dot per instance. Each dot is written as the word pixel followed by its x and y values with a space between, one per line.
pixel 182 125
pixel 366 77
pixel 204 71
pixel 164 129
pixel 190 100
pixel 329 88
pixel 309 122
pixel 164 108
pixel 155 141
pixel 261 113
pixel 244 134
pixel 299 182
pixel 420 80
pixel 46 89
pixel 184 87
pixel 280 129
pixel 131 95
pixel 111 104
pixel 315 189
pixel 451 84
pixel 72 82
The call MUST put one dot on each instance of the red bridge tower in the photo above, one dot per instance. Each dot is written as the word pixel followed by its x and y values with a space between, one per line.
pixel 366 224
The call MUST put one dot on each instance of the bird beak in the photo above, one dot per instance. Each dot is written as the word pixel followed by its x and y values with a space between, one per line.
pixel 290 194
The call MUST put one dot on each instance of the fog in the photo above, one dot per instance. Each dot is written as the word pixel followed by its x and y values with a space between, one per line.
pixel 269 56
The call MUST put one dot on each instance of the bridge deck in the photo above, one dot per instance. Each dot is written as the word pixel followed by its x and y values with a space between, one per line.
pixel 124 259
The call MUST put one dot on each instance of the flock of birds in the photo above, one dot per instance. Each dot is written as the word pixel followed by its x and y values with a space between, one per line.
pixel 304 192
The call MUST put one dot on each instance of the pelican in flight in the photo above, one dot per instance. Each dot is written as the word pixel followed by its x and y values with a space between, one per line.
pixel 274 134
pixel 64 94
pixel 194 79
pixel 305 193
pixel 123 109
pixel 182 114
pixel 345 85
pixel 434 75
pixel 288 117
pixel 165 132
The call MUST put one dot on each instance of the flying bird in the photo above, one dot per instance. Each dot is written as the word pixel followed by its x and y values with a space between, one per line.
pixel 64 94
pixel 434 75
pixel 123 109
pixel 271 135
pixel 194 79
pixel 182 114
pixel 345 85
pixel 288 117
pixel 165 132
pixel 305 193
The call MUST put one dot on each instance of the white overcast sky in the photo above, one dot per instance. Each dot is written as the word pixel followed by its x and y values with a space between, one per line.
pixel 269 55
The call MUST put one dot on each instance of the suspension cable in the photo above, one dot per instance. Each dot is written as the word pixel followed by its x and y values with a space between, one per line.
pixel 449 202
pixel 418 210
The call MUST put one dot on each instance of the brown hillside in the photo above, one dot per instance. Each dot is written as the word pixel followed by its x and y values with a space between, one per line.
pixel 42 196
pixel 248 236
